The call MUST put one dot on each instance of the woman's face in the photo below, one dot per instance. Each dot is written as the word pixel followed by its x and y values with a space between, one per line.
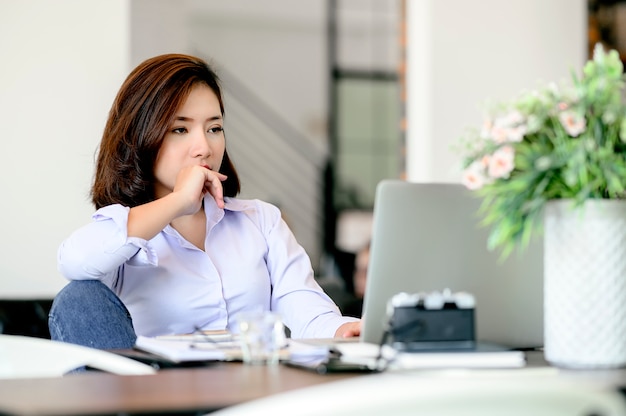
pixel 195 138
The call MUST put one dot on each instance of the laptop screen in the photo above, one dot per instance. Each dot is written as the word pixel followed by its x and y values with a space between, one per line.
pixel 427 237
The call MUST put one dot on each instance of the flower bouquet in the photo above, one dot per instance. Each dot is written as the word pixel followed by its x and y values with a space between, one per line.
pixel 561 141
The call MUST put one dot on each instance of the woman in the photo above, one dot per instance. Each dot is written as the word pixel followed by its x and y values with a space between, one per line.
pixel 170 249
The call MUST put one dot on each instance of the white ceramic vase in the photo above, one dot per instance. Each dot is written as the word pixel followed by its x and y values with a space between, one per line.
pixel 585 284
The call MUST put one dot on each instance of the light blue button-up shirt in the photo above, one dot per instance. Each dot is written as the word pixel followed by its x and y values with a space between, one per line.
pixel 169 286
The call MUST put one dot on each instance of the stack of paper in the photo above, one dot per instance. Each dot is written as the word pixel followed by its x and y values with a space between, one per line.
pixel 225 347
pixel 205 347
pixel 181 350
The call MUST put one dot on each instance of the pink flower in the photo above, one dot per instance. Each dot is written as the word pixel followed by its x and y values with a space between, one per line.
pixel 573 123
pixel 474 176
pixel 501 163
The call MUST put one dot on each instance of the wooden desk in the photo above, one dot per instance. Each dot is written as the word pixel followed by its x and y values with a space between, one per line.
pixel 191 391
pixel 179 391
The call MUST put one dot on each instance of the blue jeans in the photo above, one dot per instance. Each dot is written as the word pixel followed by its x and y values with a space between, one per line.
pixel 88 313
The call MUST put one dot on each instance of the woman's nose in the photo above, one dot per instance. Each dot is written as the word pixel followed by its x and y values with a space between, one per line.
pixel 200 144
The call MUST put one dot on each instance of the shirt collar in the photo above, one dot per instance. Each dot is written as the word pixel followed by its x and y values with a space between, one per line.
pixel 215 214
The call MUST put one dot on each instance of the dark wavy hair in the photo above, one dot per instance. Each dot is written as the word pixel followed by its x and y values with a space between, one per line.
pixel 142 112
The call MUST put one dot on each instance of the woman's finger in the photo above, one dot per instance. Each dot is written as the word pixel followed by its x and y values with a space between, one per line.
pixel 214 186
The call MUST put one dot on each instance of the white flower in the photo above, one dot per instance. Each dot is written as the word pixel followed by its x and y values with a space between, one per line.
pixel 516 134
pixel 514 118
pixel 501 163
pixel 573 123
pixel 609 117
pixel 509 128
pixel 543 163
pixel 499 134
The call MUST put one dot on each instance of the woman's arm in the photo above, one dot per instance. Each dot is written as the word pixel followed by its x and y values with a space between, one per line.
pixel 99 248
pixel 120 233
pixel 308 311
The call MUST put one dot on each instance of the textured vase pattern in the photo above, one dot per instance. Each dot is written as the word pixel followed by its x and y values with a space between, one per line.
pixel 585 284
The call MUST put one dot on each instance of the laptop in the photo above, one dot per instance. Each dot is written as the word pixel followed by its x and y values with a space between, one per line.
pixel 427 237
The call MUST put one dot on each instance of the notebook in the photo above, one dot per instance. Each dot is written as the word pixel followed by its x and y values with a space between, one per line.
pixel 426 237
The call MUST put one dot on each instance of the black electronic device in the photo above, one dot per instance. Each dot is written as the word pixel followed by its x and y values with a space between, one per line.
pixel 431 321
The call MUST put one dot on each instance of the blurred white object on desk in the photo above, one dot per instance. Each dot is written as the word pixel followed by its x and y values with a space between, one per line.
pixel 29 357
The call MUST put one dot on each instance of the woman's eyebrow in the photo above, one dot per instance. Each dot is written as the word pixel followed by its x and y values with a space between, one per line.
pixel 183 118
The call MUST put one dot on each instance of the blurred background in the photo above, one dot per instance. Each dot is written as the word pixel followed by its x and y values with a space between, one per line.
pixel 324 99
pixel 313 103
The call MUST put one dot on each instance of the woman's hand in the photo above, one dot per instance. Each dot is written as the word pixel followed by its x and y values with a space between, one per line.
pixel 193 182
pixel 349 330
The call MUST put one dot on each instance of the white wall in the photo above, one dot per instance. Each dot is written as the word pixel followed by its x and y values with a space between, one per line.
pixel 277 48
pixel 158 27
pixel 61 63
pixel 462 53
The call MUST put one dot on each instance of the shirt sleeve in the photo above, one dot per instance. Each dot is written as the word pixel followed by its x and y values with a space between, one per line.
pixel 306 309
pixel 97 250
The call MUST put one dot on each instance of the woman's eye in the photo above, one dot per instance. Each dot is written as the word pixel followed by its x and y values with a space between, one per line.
pixel 179 130
pixel 216 129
